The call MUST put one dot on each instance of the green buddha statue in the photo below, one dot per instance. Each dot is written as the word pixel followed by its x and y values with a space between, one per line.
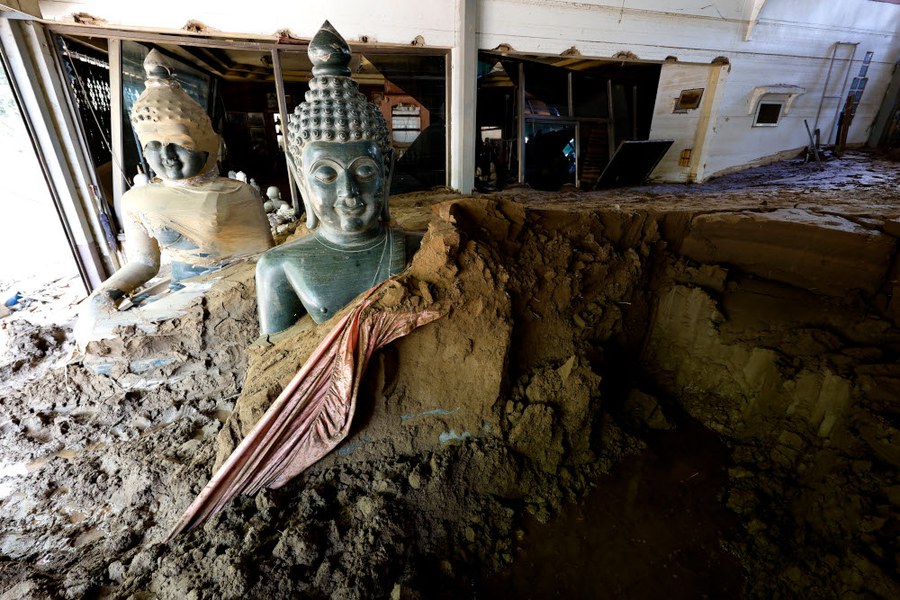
pixel 339 150
pixel 202 221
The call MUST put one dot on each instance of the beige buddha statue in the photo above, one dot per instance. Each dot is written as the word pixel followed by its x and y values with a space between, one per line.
pixel 201 220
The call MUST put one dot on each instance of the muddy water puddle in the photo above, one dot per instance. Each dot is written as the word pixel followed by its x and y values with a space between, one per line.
pixel 654 528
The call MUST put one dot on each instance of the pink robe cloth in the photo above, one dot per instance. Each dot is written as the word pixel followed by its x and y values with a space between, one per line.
pixel 311 416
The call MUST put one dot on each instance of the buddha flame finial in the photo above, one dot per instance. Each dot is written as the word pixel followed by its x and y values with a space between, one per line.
pixel 157 66
pixel 329 53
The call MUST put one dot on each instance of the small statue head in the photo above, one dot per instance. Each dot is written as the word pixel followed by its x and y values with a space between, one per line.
pixel 176 133
pixel 339 146
pixel 272 193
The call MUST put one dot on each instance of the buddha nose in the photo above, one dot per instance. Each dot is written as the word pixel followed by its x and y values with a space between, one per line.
pixel 169 151
pixel 347 191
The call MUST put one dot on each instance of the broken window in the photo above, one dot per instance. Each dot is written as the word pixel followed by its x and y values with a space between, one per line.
pixel 412 91
pixel 769 102
pixel 688 100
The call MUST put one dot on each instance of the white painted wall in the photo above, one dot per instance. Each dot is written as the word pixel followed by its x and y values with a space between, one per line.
pixel 790 44
pixel 681 127
pixel 393 22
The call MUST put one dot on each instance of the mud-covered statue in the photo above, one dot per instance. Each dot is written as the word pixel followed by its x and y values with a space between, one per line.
pixel 201 220
pixel 340 152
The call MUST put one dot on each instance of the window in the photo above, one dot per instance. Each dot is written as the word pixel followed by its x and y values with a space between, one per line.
pixel 767 114
pixel 769 102
pixel 688 100
pixel 406 124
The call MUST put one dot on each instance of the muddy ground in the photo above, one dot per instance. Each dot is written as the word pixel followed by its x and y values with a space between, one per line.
pixel 689 391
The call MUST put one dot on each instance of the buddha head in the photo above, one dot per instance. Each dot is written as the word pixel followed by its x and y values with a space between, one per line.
pixel 175 132
pixel 339 147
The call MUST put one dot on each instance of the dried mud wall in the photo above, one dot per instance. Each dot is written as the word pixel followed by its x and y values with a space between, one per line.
pixel 776 329
pixel 779 331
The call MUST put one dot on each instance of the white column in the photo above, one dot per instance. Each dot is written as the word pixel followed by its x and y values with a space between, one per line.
pixel 463 83
pixel 706 125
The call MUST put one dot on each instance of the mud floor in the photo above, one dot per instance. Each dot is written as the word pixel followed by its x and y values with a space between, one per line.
pixel 680 391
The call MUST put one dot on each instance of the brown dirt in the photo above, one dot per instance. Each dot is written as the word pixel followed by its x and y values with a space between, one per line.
pixel 757 313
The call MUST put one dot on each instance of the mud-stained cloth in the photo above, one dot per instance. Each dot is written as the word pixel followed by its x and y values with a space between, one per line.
pixel 313 413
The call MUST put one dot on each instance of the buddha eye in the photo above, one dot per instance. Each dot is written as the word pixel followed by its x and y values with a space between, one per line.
pixel 153 147
pixel 325 174
pixel 365 171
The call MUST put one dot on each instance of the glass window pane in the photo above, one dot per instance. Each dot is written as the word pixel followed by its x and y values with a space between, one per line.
pixel 768 113
pixel 412 97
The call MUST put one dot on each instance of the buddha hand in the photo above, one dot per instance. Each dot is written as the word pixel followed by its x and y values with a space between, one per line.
pixel 97 308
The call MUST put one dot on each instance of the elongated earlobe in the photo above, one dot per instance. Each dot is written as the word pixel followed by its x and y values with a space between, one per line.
pixel 385 208
pixel 312 221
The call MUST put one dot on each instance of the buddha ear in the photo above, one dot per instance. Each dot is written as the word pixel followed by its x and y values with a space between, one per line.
pixel 385 207
pixel 312 221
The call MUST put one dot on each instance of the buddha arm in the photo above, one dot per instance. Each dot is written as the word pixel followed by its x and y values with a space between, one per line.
pixel 278 303
pixel 143 262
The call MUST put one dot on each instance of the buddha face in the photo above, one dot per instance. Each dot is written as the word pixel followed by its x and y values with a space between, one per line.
pixel 344 185
pixel 171 161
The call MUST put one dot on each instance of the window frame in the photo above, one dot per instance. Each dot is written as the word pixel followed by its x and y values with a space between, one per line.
pixel 760 104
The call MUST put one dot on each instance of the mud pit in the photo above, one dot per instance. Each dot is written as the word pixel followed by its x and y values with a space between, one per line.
pixel 668 389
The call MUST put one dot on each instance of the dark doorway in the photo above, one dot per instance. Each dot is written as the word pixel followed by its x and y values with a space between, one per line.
pixel 549 122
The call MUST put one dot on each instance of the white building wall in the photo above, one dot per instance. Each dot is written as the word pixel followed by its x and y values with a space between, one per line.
pixel 790 44
pixel 393 22
pixel 682 127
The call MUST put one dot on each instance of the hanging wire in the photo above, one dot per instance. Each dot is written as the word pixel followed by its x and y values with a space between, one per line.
pixel 113 157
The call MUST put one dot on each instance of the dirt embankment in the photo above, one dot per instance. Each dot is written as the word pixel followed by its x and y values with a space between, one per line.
pixel 579 328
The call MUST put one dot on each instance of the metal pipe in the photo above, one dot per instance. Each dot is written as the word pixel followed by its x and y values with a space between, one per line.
pixel 611 128
pixel 634 112
pixel 837 110
pixel 283 115
pixel 827 80
pixel 116 126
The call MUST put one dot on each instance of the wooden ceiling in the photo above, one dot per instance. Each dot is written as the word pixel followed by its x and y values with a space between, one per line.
pixel 252 65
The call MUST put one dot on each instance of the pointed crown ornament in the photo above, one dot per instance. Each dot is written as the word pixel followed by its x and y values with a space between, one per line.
pixel 334 110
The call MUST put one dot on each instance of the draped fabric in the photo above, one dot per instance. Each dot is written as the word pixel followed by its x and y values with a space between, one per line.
pixel 313 413
pixel 218 221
